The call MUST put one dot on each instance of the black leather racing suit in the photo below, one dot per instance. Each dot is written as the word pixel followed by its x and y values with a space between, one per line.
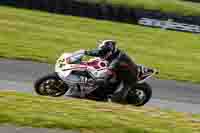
pixel 125 69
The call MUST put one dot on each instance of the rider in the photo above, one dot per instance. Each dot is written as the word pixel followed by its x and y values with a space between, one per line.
pixel 120 66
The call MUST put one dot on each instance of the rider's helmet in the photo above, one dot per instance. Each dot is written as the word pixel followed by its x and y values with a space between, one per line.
pixel 108 48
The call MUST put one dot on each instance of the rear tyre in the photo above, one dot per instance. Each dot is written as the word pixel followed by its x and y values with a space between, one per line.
pixel 50 85
pixel 139 95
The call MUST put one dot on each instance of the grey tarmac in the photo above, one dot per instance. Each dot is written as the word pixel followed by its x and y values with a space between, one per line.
pixel 167 94
pixel 15 129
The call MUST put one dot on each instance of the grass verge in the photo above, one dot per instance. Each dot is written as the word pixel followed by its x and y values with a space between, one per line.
pixel 34 35
pixel 91 117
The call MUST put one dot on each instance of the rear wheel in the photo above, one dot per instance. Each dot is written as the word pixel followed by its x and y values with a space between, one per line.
pixel 140 94
pixel 50 85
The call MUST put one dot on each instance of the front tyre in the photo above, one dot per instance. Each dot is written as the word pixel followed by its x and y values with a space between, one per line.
pixel 50 85
pixel 140 94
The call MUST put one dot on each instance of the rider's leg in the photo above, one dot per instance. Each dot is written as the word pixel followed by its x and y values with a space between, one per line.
pixel 128 82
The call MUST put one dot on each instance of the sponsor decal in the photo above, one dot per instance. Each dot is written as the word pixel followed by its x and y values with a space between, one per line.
pixel 169 24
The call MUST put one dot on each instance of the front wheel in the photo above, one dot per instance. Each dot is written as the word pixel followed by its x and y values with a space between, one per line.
pixel 140 94
pixel 50 85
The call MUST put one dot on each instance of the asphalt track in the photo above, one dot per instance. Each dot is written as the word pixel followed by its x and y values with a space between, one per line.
pixel 14 129
pixel 167 94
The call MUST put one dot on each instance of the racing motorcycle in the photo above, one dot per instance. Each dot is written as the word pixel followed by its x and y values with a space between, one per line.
pixel 77 78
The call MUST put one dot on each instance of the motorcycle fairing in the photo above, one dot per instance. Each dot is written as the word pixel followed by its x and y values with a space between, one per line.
pixel 64 67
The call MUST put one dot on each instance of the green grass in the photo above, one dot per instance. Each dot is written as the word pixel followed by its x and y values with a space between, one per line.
pixel 26 34
pixel 91 117
pixel 170 6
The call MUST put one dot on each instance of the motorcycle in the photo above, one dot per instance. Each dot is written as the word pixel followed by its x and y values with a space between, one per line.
pixel 77 78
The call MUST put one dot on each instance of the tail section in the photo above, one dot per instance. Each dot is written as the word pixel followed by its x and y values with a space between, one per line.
pixel 144 73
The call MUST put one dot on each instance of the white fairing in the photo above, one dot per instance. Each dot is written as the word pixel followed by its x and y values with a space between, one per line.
pixel 64 66
pixel 101 72
pixel 97 73
pixel 61 64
